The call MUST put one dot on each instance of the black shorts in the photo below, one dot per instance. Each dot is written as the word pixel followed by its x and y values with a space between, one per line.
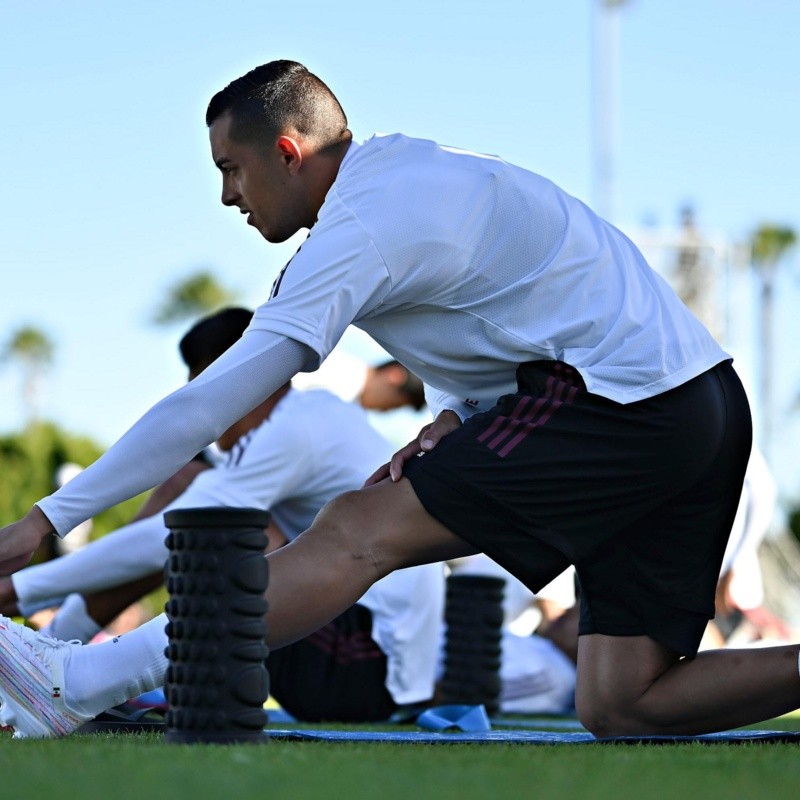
pixel 639 497
pixel 337 674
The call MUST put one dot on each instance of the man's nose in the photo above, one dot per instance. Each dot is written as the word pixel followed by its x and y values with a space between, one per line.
pixel 229 194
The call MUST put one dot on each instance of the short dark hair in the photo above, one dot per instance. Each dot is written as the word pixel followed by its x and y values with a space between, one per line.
pixel 277 95
pixel 412 388
pixel 209 338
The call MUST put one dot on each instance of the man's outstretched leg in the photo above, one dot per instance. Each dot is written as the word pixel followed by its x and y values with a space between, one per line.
pixel 632 685
pixel 48 688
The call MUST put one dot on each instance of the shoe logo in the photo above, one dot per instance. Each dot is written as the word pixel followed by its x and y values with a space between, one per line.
pixel 56 692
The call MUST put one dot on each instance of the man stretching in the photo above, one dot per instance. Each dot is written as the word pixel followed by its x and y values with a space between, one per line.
pixel 582 416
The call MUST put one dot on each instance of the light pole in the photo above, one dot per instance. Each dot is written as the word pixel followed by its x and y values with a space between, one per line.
pixel 605 112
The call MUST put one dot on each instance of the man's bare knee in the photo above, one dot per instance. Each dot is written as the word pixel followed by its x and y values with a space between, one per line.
pixel 606 708
pixel 348 523
pixel 602 717
pixel 617 687
pixel 605 715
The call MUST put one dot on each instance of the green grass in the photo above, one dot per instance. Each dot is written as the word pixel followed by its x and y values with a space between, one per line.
pixel 123 767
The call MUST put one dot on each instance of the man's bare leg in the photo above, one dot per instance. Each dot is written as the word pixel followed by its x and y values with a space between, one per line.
pixel 355 540
pixel 631 685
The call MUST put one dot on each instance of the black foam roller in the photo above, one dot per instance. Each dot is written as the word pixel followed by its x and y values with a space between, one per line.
pixel 472 654
pixel 216 574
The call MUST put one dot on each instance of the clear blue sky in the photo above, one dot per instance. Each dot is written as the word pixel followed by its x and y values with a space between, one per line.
pixel 109 194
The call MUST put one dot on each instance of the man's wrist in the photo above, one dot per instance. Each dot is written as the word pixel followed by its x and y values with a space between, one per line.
pixel 37 519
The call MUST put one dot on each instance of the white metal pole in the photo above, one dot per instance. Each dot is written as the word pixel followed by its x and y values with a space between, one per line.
pixel 605 82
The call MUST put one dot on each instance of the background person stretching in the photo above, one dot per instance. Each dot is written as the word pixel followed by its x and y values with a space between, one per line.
pixel 290 455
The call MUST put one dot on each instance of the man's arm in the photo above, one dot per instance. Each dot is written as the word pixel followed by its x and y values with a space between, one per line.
pixel 163 440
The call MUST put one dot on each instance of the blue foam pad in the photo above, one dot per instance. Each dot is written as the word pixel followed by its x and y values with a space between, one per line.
pixel 470 719
pixel 525 737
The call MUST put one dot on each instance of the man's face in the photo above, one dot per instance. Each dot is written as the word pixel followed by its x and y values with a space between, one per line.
pixel 259 182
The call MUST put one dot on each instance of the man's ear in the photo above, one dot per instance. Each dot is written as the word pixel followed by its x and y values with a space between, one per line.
pixel 291 154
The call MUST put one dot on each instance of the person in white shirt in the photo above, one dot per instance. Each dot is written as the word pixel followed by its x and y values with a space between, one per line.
pixel 290 455
pixel 582 415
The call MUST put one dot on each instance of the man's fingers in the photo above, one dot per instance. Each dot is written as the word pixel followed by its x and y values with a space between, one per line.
pixel 400 458
pixel 428 438
pixel 445 423
pixel 379 475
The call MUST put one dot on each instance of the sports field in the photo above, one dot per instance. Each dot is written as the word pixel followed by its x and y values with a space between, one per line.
pixel 123 767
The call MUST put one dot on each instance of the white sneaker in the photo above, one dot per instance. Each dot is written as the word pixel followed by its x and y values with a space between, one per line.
pixel 32 684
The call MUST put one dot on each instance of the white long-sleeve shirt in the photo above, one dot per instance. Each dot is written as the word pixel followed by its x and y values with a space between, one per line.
pixel 461 266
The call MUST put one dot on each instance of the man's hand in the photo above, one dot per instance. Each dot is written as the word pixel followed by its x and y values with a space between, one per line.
pixel 446 422
pixel 19 540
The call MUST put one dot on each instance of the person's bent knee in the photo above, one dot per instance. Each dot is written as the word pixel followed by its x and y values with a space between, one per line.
pixel 604 706
pixel 600 719
pixel 605 717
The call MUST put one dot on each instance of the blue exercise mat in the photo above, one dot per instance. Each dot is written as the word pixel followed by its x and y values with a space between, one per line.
pixel 453 724
pixel 465 724
pixel 524 737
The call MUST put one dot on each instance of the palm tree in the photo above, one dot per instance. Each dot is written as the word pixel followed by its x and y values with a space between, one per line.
pixel 769 245
pixel 33 350
pixel 198 294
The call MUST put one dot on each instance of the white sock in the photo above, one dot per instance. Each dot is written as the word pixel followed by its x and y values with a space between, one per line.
pixel 99 676
pixel 72 621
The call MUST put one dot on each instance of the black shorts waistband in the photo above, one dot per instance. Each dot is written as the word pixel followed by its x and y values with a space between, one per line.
pixel 532 376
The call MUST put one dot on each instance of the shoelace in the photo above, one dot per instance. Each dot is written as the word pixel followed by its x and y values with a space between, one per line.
pixel 31 636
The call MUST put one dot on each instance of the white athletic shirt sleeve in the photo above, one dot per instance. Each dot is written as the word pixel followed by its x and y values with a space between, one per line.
pixel 179 426
pixel 439 401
